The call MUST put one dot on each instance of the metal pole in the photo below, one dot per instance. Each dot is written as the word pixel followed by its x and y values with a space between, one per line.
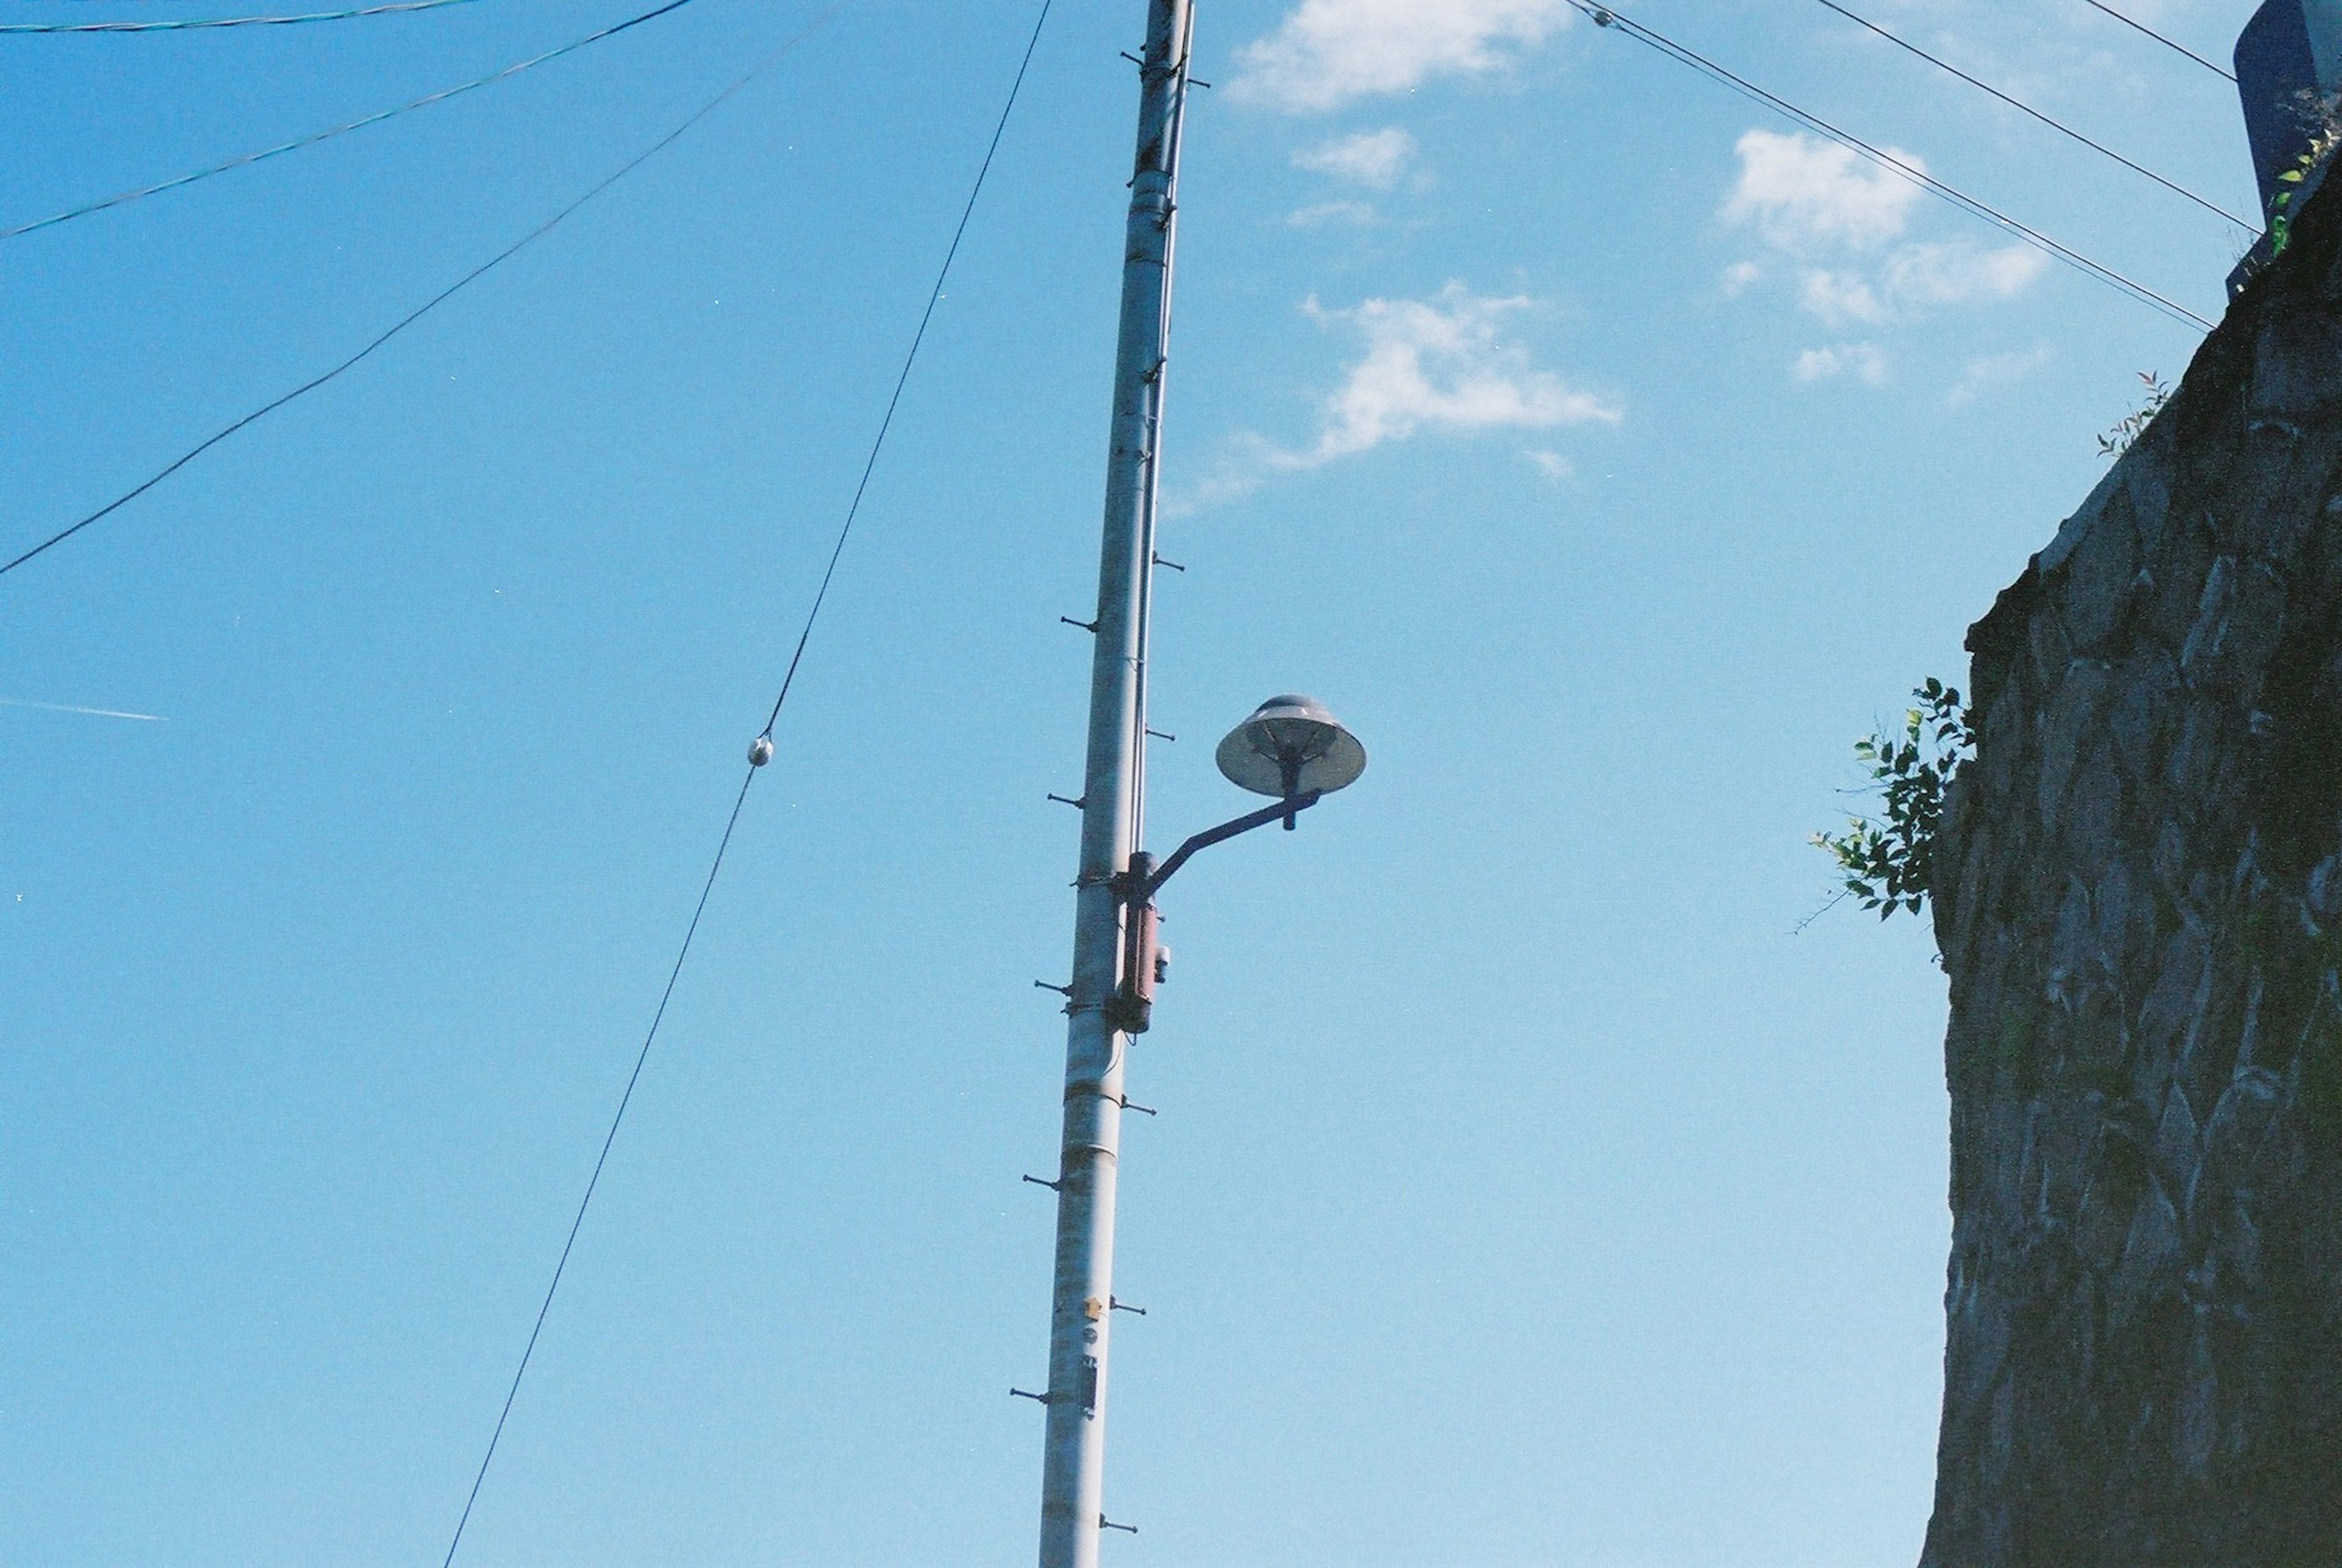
pixel 1073 1459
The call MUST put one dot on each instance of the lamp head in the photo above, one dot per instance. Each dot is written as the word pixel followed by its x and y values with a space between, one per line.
pixel 1291 746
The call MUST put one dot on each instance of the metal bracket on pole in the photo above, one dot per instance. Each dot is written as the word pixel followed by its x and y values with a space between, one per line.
pixel 1138 890
pixel 1077 804
pixel 1105 1523
pixel 1159 735
pixel 1035 1398
pixel 1089 627
pixel 1174 565
pixel 1127 1104
pixel 1117 1303
pixel 1053 1186
pixel 1060 990
pixel 1132 1009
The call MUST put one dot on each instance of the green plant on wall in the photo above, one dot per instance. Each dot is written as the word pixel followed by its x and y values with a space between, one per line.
pixel 2281 205
pixel 2326 114
pixel 1887 862
pixel 2117 441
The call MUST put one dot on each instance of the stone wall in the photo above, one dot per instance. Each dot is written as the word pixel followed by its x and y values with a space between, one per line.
pixel 2139 907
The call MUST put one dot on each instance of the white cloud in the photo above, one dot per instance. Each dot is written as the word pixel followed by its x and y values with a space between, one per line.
pixel 1327 53
pixel 1995 370
pixel 1840 298
pixel 1862 359
pixel 1957 273
pixel 1914 277
pixel 1325 212
pixel 1840 221
pixel 1805 194
pixel 1372 158
pixel 1442 364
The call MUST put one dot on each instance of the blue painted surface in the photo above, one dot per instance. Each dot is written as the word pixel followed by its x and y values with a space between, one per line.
pixel 2286 62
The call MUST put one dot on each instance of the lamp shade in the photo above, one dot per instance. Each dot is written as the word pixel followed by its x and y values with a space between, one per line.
pixel 1291 746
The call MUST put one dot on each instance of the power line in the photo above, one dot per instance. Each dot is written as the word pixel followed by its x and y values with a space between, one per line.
pixel 2167 43
pixel 2056 125
pixel 935 296
pixel 1604 17
pixel 195 25
pixel 707 888
pixel 265 409
pixel 593 1181
pixel 315 136
pixel 761 755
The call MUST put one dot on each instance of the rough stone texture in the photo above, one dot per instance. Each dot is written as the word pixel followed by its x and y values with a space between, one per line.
pixel 2139 907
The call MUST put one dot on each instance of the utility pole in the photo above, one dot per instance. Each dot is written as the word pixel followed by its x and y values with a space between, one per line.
pixel 1112 803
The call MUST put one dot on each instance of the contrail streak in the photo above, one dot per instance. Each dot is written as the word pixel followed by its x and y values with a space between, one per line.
pixel 93 713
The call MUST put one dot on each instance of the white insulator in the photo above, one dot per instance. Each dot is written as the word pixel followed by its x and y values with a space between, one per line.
pixel 761 751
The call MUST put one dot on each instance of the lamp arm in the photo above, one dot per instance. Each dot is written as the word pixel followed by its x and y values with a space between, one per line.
pixel 1283 810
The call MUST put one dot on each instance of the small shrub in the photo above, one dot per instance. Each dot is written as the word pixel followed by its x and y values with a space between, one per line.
pixel 1888 863
pixel 2117 441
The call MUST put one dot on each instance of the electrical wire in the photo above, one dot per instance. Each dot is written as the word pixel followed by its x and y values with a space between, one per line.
pixel 196 23
pixel 314 137
pixel 935 296
pixel 600 1160
pixel 425 308
pixel 2056 125
pixel 1604 16
pixel 733 822
pixel 2181 48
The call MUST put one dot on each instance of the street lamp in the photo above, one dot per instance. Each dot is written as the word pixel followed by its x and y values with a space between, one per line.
pixel 1291 748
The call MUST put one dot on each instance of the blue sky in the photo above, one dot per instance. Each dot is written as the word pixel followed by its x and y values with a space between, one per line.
pixel 1526 1192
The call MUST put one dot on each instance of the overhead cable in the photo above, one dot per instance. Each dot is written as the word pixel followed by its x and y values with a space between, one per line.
pixel 894 399
pixel 760 754
pixel 197 24
pixel 2182 49
pixel 311 139
pixel 2059 126
pixel 425 308
pixel 625 1099
pixel 1604 17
